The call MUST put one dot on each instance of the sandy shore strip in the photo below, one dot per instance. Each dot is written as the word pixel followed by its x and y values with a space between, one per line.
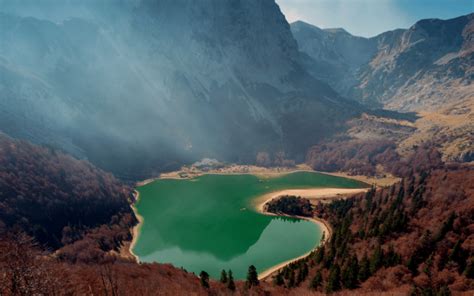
pixel 312 194
pixel 136 229
pixel 189 172
pixel 386 180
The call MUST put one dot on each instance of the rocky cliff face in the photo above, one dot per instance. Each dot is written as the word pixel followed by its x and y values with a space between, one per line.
pixel 424 67
pixel 333 55
pixel 427 68
pixel 156 83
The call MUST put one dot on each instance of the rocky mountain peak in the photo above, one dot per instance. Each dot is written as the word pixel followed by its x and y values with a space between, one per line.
pixel 160 82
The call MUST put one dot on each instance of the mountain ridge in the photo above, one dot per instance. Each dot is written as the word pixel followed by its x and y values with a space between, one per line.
pixel 441 41
pixel 164 84
pixel 427 68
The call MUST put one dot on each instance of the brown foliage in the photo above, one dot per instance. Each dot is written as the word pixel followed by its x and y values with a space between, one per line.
pixel 428 216
pixel 427 219
pixel 357 157
pixel 57 199
pixel 22 270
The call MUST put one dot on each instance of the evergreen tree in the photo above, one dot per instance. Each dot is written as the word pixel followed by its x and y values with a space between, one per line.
pixel 204 277
pixel 278 279
pixel 252 277
pixel 414 291
pixel 443 259
pixel 444 291
pixel 318 258
pixel 368 199
pixel 445 228
pixel 391 258
pixel 428 267
pixel 291 279
pixel 364 269
pixel 334 279
pixel 428 291
pixel 412 264
pixel 329 258
pixel 302 273
pixel 376 260
pixel 316 281
pixel 305 270
pixel 286 272
pixel 455 252
pixel 350 273
pixel 299 278
pixel 223 276
pixel 421 253
pixel 469 271
pixel 458 255
pixel 230 281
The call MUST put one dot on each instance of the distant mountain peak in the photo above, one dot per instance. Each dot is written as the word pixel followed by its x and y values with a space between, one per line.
pixel 395 57
pixel 337 31
pixel 304 25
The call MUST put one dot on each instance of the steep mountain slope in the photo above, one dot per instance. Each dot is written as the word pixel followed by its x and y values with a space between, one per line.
pixel 141 85
pixel 333 55
pixel 422 68
pixel 427 68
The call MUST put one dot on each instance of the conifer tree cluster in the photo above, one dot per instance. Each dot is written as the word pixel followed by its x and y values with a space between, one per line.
pixel 375 220
pixel 293 274
pixel 252 277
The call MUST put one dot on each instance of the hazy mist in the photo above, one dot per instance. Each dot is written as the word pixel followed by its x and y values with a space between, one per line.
pixel 130 84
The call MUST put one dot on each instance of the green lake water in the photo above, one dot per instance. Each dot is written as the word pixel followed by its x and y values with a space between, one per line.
pixel 208 223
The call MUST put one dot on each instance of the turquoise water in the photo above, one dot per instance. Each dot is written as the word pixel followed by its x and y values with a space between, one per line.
pixel 208 223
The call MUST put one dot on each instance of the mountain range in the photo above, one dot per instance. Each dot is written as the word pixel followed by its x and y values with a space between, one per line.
pixel 148 85
pixel 427 69
pixel 405 70
pixel 138 87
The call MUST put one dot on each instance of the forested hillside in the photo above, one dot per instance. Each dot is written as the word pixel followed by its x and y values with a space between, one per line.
pixel 414 237
pixel 141 87
pixel 58 200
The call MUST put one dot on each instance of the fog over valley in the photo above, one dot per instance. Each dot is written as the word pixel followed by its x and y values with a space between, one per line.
pixel 126 83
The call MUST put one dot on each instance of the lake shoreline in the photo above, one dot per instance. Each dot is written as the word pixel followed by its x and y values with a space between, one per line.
pixel 313 194
pixel 186 173
pixel 127 249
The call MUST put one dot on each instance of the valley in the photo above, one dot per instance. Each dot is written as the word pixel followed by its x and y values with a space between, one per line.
pixel 146 146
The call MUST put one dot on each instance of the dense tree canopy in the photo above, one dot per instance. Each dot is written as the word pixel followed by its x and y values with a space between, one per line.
pixel 57 199
pixel 290 205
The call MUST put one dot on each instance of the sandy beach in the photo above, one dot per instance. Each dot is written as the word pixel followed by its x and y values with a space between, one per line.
pixel 312 194
pixel 136 229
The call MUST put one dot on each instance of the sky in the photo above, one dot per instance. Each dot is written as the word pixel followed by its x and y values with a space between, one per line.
pixel 371 17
